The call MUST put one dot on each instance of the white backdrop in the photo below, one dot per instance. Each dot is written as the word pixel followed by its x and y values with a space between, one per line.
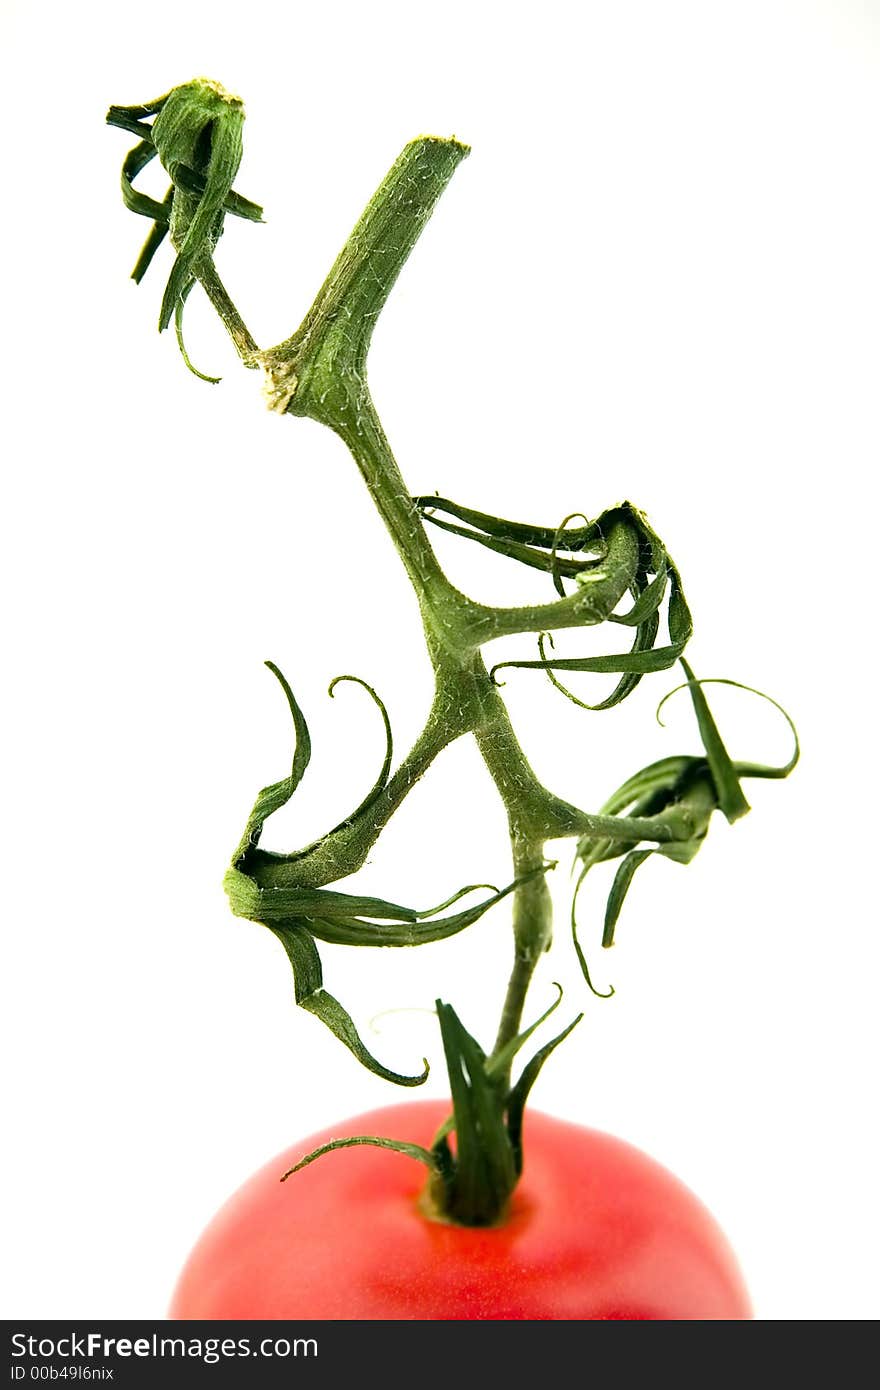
pixel 656 277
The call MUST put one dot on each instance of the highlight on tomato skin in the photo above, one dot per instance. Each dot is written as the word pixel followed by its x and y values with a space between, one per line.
pixel 596 1230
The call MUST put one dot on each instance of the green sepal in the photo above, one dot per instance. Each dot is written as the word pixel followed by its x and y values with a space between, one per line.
pixel 373 1140
pixel 472 1185
pixel 636 661
pixel 298 914
pixel 731 799
pixel 683 783
pixel 310 994
pixel 197 133
pixel 647 601
pixel 155 237
pixel 644 641
pixel 345 919
pixel 484 1167
pixel 294 934
pixel 539 547
pixel 619 889
pixel 131 118
pixel 602 849
pixel 515 550
pixel 746 769
pixel 332 916
pixel 516 1101
pixel 380 782
pixel 178 328
pixel 117 114
pixel 277 794
pixel 499 1063
pixel 657 777
pixel 199 128
pixel 642 659
pixel 186 179
pixel 576 538
pixel 135 161
pixel 696 786
pixel 234 203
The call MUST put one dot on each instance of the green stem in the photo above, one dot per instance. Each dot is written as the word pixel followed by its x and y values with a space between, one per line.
pixel 320 372
pixel 362 431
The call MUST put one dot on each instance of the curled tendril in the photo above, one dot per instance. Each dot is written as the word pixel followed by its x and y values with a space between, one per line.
pixel 379 1018
pixel 456 897
pixel 557 537
pixel 178 329
pixel 547 638
pixel 582 960
pixel 500 1061
pixel 381 781
pixel 620 691
pixel 745 769
pixel 691 788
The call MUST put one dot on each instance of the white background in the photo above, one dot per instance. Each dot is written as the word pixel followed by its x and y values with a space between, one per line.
pixel 656 277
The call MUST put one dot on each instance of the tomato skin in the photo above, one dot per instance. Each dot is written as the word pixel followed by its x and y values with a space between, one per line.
pixel 596 1230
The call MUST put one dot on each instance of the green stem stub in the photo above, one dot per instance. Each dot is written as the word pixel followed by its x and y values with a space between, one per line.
pixel 319 371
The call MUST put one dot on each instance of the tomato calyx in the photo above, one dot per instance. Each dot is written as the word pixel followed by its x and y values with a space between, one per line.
pixel 472 1183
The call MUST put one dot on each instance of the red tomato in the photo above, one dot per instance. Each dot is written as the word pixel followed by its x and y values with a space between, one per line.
pixel 596 1230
